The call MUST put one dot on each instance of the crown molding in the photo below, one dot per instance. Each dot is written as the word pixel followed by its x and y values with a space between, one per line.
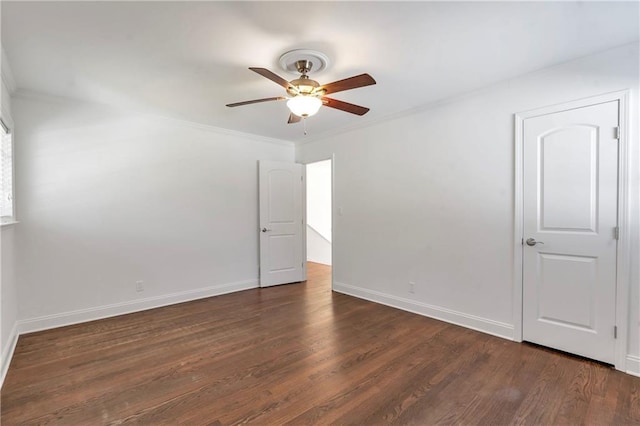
pixel 469 94
pixel 400 114
pixel 223 131
pixel 46 97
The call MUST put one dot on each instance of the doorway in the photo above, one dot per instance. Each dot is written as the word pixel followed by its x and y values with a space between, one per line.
pixel 319 209
pixel 571 228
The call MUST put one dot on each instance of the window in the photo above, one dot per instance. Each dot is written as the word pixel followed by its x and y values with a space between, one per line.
pixel 6 175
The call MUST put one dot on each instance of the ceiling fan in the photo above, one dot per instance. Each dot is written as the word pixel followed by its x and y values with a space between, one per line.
pixel 307 95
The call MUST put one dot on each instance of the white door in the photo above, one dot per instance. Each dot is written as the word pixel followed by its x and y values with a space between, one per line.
pixel 281 223
pixel 570 218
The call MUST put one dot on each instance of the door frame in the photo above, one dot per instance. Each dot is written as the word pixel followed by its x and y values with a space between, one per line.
pixel 331 157
pixel 624 240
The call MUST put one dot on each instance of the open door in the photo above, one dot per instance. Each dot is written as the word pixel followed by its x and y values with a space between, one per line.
pixel 281 223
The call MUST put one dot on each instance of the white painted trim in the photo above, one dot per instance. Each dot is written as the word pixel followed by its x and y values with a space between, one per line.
pixel 8 121
pixel 578 103
pixel 333 210
pixel 624 247
pixel 623 276
pixel 7 353
pixel 518 229
pixel 91 314
pixel 473 322
pixel 223 131
pixel 633 365
pixel 304 222
pixel 7 118
pixel 333 217
pixel 44 97
pixel 100 312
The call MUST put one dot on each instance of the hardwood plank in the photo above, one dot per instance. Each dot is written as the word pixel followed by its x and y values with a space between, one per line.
pixel 507 388
pixel 301 354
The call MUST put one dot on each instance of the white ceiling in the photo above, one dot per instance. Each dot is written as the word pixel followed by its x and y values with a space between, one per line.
pixel 188 59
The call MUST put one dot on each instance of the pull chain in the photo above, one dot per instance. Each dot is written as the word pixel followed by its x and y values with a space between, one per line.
pixel 304 123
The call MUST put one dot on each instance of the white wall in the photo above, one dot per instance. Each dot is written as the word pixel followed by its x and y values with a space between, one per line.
pixel 318 248
pixel 319 197
pixel 319 212
pixel 107 198
pixel 429 197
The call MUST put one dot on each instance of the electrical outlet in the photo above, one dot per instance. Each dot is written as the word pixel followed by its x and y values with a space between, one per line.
pixel 139 286
pixel 412 287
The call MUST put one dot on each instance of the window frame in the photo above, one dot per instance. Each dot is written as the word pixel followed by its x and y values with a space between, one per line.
pixel 6 123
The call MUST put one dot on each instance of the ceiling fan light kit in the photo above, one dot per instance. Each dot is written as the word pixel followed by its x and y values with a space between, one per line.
pixel 307 95
pixel 304 105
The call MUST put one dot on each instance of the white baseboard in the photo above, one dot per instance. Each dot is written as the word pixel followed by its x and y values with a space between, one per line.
pixel 633 365
pixel 473 322
pixel 90 314
pixel 7 352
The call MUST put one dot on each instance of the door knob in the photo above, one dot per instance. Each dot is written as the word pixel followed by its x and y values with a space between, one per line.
pixel 532 242
pixel 265 230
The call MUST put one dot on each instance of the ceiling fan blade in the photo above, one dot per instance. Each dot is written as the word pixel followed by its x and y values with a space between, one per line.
pixel 255 101
pixel 344 106
pixel 273 77
pixel 293 119
pixel 348 84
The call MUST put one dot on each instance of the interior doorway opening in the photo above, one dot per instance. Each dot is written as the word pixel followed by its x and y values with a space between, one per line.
pixel 319 212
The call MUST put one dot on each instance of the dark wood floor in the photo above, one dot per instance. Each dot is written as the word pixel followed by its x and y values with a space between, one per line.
pixel 300 354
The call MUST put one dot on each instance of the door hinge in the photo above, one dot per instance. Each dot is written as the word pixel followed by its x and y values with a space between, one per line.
pixel 521 241
pixel 615 331
pixel 616 132
pixel 616 233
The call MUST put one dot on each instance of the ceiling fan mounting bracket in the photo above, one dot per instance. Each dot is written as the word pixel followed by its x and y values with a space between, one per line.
pixel 294 61
pixel 304 66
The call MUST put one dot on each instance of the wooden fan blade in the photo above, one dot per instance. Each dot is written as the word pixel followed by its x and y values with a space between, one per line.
pixel 348 84
pixel 344 106
pixel 273 77
pixel 255 101
pixel 293 119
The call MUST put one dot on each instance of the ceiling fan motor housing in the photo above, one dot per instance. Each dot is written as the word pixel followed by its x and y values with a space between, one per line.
pixel 304 85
